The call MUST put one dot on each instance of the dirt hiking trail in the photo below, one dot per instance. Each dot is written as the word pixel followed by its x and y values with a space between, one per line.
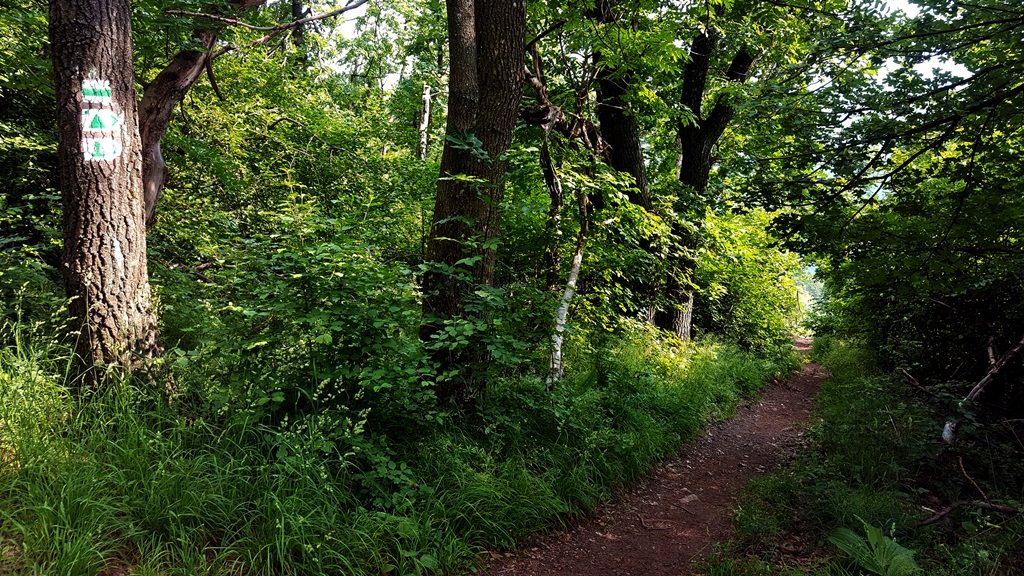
pixel 671 520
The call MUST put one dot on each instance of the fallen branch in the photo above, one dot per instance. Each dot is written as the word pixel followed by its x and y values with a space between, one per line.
pixel 972 503
pixel 949 430
pixel 960 460
pixel 997 366
pixel 910 378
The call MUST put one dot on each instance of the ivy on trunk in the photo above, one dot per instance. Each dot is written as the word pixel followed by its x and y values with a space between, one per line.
pixel 485 83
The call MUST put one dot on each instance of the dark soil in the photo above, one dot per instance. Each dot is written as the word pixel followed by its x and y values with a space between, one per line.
pixel 673 518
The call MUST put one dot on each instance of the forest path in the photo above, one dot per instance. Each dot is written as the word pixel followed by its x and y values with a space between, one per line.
pixel 674 517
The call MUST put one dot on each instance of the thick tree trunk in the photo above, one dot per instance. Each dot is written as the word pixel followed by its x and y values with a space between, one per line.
pixel 696 145
pixel 101 166
pixel 299 32
pixel 679 318
pixel 485 82
pixel 620 131
pixel 158 101
pixel 618 125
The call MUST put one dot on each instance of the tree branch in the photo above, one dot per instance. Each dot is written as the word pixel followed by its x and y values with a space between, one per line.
pixel 558 24
pixel 695 73
pixel 997 366
pixel 859 179
pixel 930 33
pixel 720 116
pixel 949 430
pixel 213 80
pixel 740 66
pixel 961 503
pixel 352 5
pixel 158 101
pixel 551 117
pixel 218 18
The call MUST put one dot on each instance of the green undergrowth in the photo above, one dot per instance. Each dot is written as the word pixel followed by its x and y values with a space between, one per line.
pixel 121 481
pixel 875 468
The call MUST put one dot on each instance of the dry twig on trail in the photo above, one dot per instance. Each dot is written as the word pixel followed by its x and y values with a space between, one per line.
pixel 644 523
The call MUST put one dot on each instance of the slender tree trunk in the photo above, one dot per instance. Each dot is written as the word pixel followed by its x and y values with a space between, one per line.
pixel 101 166
pixel 485 82
pixel 552 258
pixel 423 145
pixel 556 366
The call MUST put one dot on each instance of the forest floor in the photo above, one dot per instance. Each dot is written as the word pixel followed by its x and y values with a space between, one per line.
pixel 672 520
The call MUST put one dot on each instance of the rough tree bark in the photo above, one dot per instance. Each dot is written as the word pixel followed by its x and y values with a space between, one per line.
pixel 618 125
pixel 100 166
pixel 485 82
pixel 696 144
pixel 158 101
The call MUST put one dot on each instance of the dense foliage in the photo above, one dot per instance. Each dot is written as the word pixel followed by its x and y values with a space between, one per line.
pixel 302 433
pixel 292 424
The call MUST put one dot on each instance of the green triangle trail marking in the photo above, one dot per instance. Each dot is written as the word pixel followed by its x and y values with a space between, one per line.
pixel 100 120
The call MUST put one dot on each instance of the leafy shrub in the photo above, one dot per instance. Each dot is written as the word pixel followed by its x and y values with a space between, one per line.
pixel 878 553
pixel 747 286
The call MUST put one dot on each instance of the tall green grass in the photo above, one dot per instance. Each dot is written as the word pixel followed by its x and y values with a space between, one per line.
pixel 120 479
